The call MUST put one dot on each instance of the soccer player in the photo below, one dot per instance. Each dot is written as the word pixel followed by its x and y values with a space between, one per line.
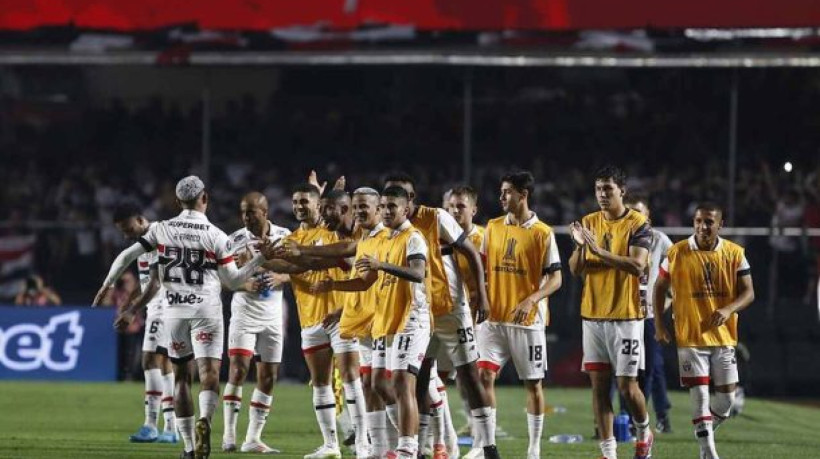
pixel 159 374
pixel 611 249
pixel 357 316
pixel 453 331
pixel 255 328
pixel 401 323
pixel 318 342
pixel 523 270
pixel 654 380
pixel 195 260
pixel 711 282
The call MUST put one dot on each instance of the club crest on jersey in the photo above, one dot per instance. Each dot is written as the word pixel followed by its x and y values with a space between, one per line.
pixel 608 242
pixel 509 252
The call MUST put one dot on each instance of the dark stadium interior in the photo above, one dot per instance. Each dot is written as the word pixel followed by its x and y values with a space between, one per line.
pixel 76 141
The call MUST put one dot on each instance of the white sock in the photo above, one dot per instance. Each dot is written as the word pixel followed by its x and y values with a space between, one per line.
pixel 722 406
pixel 377 425
pixel 168 402
pixel 186 431
pixel 153 396
pixel 609 448
pixel 424 427
pixel 535 427
pixel 482 421
pixel 231 404
pixel 642 429
pixel 324 403
pixel 354 396
pixel 258 415
pixel 702 419
pixel 436 408
pixel 450 434
pixel 207 403
pixel 408 446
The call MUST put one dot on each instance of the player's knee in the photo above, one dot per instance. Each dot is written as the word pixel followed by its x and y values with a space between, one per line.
pixel 627 386
pixel 487 377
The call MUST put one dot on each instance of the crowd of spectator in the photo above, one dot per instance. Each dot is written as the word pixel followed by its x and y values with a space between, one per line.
pixel 68 163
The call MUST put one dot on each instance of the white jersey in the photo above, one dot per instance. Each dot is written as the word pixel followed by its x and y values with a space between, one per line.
pixel 145 262
pixel 657 253
pixel 251 308
pixel 449 232
pixel 189 250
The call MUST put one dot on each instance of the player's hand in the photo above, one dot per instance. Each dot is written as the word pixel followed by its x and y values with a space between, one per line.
pixel 323 286
pixel 481 308
pixel 332 318
pixel 719 317
pixel 662 334
pixel 287 249
pixel 367 263
pixel 523 310
pixel 313 179
pixel 340 183
pixel 589 241
pixel 577 232
pixel 100 296
pixel 259 282
pixel 123 320
pixel 243 257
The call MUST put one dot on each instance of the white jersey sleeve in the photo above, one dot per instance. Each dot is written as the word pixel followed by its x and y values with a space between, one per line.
pixel 449 231
pixel 552 262
pixel 416 247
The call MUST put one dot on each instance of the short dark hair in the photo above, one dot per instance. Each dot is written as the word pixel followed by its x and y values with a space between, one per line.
pixel 634 198
pixel 521 181
pixel 401 177
pixel 335 195
pixel 125 211
pixel 709 206
pixel 306 188
pixel 611 172
pixel 395 192
pixel 465 190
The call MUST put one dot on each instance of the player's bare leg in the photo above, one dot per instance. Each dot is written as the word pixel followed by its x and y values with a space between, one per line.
pixel 602 407
pixel 636 404
pixel 481 403
pixel 404 384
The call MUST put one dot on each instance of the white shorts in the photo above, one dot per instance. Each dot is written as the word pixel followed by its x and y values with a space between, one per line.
pixel 407 350
pixel 264 340
pixel 365 355
pixel 195 338
pixel 527 347
pixel 317 337
pixel 156 336
pixel 697 364
pixel 618 343
pixel 380 353
pixel 453 341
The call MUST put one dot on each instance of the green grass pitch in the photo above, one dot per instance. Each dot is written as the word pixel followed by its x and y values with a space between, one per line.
pixel 75 420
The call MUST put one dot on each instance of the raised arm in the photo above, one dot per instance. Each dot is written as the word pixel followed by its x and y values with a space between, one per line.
pixel 577 259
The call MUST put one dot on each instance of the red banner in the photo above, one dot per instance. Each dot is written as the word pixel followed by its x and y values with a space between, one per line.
pixel 423 14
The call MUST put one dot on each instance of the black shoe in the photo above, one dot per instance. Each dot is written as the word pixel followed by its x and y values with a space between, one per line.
pixel 186 455
pixel 351 440
pixel 202 445
pixel 663 425
pixel 491 452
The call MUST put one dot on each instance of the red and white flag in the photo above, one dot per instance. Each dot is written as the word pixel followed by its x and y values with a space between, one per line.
pixel 16 263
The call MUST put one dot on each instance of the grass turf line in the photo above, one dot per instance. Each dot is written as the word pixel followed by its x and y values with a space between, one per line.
pixel 90 420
